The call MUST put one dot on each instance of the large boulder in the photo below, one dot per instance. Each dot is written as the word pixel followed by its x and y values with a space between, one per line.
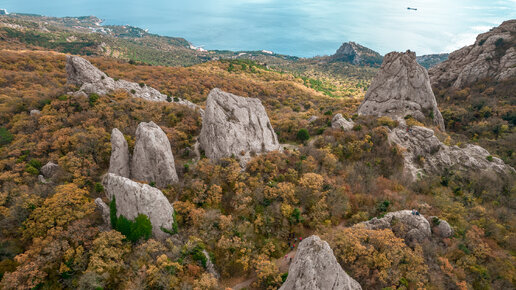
pixel 401 87
pixel 119 161
pixel 440 228
pixel 404 223
pixel 152 156
pixel 133 198
pixel 50 169
pixel 81 72
pixel 316 268
pixel 340 122
pixel 493 56
pixel 236 126
pixel 423 153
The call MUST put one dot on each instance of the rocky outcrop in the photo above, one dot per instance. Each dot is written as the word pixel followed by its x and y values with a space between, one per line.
pixel 81 72
pixel 357 54
pixel 236 126
pixel 35 112
pixel 210 268
pixel 401 87
pixel 493 55
pixel 48 170
pixel 423 153
pixel 104 210
pixel 440 228
pixel 340 122
pixel 133 198
pixel 152 159
pixel 405 224
pixel 119 161
pixel 312 119
pixel 315 268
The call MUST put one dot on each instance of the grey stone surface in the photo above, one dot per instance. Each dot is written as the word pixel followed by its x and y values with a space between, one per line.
pixel 210 268
pixel 493 55
pixel 312 119
pixel 235 126
pixel 315 268
pixel 35 112
pixel 152 159
pixel 48 170
pixel 81 72
pixel 443 229
pixel 104 210
pixel 424 154
pixel 133 198
pixel 340 122
pixel 415 227
pixel 119 160
pixel 401 87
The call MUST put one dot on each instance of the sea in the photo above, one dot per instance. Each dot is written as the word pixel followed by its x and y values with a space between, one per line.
pixel 303 28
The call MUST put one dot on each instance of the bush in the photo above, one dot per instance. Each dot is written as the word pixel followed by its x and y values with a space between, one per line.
pixel 92 99
pixel 5 136
pixel 99 187
pixel 141 227
pixel 303 135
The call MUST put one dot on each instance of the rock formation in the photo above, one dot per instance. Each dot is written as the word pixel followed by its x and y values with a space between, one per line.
pixel 440 228
pixel 414 227
pixel 401 87
pixel 35 112
pixel 91 80
pixel 152 157
pixel 423 154
pixel 315 268
pixel 340 122
pixel 236 126
pixel 104 210
pixel 210 268
pixel 119 161
pixel 133 198
pixel 493 55
pixel 357 54
pixel 312 119
pixel 48 170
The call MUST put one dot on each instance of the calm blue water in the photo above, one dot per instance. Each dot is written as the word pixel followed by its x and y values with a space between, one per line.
pixel 295 27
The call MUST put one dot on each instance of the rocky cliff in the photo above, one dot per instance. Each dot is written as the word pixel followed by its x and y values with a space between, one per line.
pixel 236 126
pixel 316 268
pixel 493 55
pixel 81 72
pixel 423 153
pixel 152 159
pixel 400 88
pixel 119 160
pixel 133 198
pixel 340 122
pixel 357 54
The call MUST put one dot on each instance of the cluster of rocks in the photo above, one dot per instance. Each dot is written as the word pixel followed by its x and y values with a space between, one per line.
pixel 47 172
pixel 423 154
pixel 410 226
pixel 401 87
pixel 493 55
pixel 236 126
pixel 340 122
pixel 91 80
pixel 315 268
pixel 152 162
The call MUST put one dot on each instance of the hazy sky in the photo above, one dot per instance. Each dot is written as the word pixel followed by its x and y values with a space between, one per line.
pixel 296 27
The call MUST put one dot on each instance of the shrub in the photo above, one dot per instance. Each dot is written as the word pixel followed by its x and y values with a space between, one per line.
pixel 489 158
pixel 141 227
pixel 169 99
pixel 92 99
pixel 5 136
pixel 99 187
pixel 133 91
pixel 303 135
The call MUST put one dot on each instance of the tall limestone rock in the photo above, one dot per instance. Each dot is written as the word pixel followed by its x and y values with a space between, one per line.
pixel 152 157
pixel 316 268
pixel 119 161
pixel 133 198
pixel 400 88
pixel 493 56
pixel 424 154
pixel 234 125
pixel 82 73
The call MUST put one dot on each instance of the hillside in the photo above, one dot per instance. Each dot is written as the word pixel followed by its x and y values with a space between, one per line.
pixel 60 220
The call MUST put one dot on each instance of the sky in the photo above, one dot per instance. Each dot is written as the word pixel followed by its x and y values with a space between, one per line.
pixel 303 28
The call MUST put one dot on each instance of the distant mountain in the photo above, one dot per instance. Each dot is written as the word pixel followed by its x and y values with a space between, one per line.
pixel 430 60
pixel 357 54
